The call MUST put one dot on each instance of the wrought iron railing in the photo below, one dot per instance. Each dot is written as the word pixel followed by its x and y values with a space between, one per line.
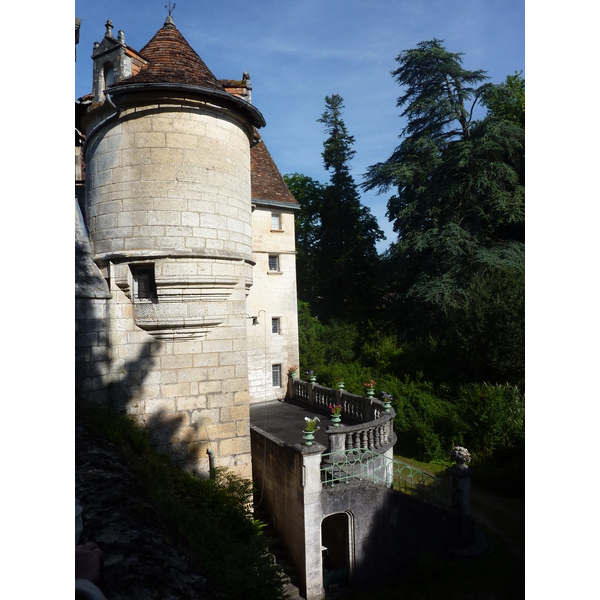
pixel 367 465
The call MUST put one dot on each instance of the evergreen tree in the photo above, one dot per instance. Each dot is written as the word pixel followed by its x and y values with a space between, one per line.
pixel 309 193
pixel 456 269
pixel 346 248
pixel 459 202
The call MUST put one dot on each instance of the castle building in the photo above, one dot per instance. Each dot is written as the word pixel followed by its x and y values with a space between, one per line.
pixel 186 306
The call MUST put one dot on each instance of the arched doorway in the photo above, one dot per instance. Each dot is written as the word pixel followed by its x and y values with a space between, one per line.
pixel 337 549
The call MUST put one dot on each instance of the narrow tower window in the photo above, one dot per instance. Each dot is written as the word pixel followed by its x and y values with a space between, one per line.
pixel 276 371
pixel 145 283
pixel 275 325
pixel 109 75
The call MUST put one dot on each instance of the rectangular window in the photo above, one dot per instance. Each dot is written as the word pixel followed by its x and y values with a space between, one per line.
pixel 273 263
pixel 145 283
pixel 276 370
pixel 275 221
pixel 275 325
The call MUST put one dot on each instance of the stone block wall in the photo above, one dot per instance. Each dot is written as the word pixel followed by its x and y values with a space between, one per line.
pixel 169 215
pixel 278 473
pixel 169 179
pixel 273 295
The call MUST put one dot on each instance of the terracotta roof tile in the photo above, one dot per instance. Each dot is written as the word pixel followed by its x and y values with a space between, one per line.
pixel 172 60
pixel 267 182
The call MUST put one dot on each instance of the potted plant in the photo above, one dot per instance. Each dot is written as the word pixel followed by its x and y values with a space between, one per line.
pixel 336 414
pixel 340 382
pixel 369 386
pixel 309 430
pixel 460 456
pixel 387 401
pixel 292 372
pixel 311 376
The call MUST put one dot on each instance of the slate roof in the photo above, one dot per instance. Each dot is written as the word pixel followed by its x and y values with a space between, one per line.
pixel 172 60
pixel 267 182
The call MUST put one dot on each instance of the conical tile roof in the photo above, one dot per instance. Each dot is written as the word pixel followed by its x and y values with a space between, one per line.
pixel 172 60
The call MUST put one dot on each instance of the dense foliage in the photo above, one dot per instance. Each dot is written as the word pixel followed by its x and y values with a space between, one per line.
pixel 438 320
pixel 458 210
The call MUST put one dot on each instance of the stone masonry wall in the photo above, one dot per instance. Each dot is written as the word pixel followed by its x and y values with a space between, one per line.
pixel 168 196
pixel 273 295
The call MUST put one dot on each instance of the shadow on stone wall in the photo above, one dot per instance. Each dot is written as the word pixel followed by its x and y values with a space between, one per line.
pixel 118 388
pixel 400 529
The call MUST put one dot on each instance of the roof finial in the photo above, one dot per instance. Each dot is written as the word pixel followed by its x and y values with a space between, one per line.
pixel 169 19
pixel 109 28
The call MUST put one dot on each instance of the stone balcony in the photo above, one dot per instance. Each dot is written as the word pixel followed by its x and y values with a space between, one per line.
pixel 365 424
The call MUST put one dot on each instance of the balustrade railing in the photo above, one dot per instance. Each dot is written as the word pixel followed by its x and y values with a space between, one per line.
pixel 367 465
pixel 372 427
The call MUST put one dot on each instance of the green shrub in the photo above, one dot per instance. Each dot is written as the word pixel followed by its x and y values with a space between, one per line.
pixel 495 419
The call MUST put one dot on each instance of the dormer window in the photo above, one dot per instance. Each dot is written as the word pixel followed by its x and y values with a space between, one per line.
pixel 109 74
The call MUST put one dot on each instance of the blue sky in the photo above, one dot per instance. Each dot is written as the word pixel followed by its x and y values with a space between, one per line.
pixel 299 52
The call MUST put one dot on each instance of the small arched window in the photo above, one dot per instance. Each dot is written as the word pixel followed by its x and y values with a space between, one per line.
pixel 109 75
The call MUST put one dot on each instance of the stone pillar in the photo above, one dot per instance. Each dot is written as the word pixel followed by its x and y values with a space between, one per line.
pixel 461 482
pixel 313 515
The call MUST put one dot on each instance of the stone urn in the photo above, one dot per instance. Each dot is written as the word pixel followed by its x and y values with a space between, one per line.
pixel 387 405
pixel 370 392
pixel 337 419
pixel 340 385
pixel 461 456
pixel 313 379
pixel 308 436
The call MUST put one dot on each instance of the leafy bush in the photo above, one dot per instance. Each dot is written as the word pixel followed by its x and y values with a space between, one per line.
pixel 495 419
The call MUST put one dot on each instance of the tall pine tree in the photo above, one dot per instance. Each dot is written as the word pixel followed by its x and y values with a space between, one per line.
pixel 346 246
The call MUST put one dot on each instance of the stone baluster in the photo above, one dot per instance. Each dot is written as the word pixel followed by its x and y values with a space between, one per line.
pixel 376 434
pixel 370 442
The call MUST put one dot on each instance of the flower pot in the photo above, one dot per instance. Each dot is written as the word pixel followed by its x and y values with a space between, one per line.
pixel 337 419
pixel 313 379
pixel 340 385
pixel 308 436
pixel 293 374
pixel 370 392
pixel 387 405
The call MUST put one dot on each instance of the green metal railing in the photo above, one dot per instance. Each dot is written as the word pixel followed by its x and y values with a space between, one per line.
pixel 366 465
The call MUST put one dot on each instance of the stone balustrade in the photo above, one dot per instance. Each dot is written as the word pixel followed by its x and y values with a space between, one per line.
pixel 373 429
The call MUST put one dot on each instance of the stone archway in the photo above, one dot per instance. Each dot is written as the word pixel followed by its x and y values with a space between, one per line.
pixel 337 549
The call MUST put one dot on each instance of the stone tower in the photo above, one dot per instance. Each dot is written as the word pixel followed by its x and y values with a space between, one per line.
pixel 169 213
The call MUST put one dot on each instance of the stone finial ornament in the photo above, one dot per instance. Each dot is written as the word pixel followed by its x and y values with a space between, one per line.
pixel 121 37
pixel 109 28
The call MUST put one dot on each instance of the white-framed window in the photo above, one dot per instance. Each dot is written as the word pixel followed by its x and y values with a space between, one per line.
pixel 273 262
pixel 276 375
pixel 276 325
pixel 276 221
